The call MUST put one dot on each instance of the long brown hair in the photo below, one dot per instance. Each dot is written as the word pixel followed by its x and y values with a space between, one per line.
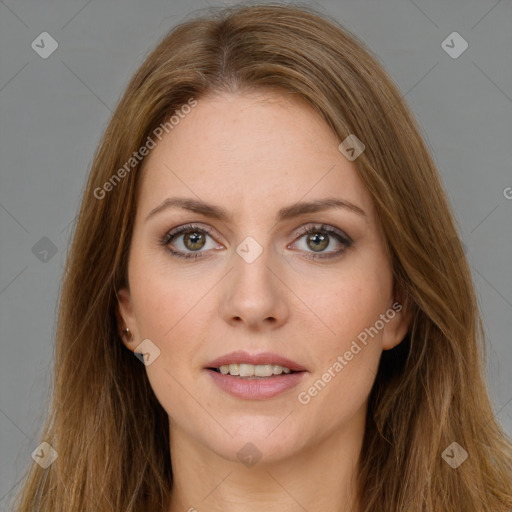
pixel 110 432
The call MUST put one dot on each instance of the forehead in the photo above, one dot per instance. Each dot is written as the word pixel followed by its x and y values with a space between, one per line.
pixel 257 151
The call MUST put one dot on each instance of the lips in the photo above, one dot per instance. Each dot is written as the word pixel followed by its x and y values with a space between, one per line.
pixel 261 358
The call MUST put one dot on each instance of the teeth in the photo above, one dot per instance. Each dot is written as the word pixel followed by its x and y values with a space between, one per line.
pixel 251 370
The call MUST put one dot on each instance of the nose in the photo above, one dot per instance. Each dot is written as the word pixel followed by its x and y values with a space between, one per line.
pixel 254 293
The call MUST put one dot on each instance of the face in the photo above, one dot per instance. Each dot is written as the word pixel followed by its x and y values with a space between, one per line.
pixel 314 287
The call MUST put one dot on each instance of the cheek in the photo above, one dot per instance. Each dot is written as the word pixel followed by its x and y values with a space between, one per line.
pixel 348 346
pixel 165 297
pixel 347 302
pixel 347 356
pixel 170 311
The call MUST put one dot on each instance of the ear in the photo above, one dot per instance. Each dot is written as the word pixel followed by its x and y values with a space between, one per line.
pixel 399 319
pixel 126 318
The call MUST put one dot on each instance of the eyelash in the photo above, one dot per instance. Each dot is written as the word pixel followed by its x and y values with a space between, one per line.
pixel 340 236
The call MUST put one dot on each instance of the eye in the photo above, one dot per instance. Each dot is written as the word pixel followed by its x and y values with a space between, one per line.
pixel 193 239
pixel 319 237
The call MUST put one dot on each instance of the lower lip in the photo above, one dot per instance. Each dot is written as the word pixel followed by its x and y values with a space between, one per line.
pixel 256 389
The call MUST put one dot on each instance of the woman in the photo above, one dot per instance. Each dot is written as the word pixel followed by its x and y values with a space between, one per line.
pixel 264 228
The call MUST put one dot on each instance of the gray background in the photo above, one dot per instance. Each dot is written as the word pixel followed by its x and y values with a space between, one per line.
pixel 54 110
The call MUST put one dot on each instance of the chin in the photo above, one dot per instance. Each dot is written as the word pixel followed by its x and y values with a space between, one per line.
pixel 260 443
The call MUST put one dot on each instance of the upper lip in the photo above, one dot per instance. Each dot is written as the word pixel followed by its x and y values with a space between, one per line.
pixel 241 357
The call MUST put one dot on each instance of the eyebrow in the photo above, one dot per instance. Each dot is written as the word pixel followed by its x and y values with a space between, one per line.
pixel 285 213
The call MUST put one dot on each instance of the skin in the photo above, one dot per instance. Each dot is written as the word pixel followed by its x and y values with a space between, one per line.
pixel 253 154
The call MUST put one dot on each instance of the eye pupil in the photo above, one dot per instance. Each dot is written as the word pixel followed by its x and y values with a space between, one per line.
pixel 193 238
pixel 320 241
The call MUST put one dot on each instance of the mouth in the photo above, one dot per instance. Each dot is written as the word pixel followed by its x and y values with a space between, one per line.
pixel 252 372
pixel 263 364
pixel 257 376
pixel 255 382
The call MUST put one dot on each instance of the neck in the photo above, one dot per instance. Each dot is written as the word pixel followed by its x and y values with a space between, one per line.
pixel 321 476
